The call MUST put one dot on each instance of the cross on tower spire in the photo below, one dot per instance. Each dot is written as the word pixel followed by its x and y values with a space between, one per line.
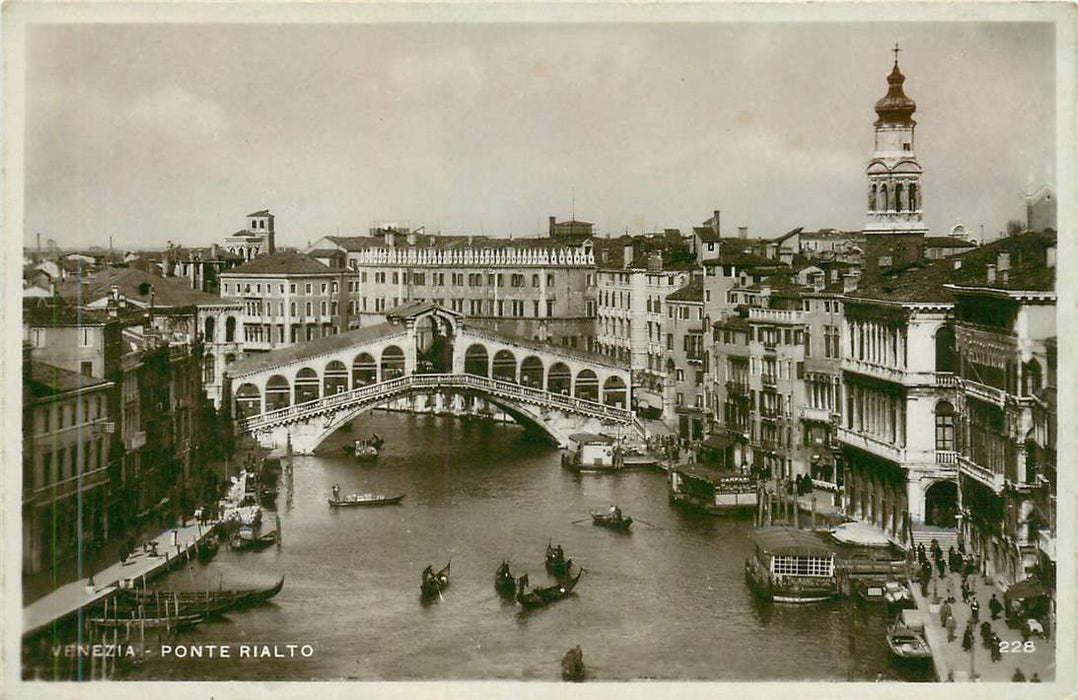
pixel 896 50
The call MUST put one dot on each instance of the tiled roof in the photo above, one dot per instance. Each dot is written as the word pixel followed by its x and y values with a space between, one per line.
pixel 743 260
pixel 706 234
pixel 47 380
pixel 262 212
pixel 693 291
pixel 947 242
pixel 927 282
pixel 47 311
pixel 285 262
pixel 130 280
pixel 312 348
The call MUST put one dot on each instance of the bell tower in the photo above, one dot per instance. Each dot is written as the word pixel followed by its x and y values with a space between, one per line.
pixel 894 227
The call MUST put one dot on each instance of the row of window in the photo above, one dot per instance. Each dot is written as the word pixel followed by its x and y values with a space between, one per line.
pixel 63 463
pixel 68 413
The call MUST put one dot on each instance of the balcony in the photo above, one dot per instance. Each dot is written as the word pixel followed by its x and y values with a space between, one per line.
pixel 768 379
pixel 739 388
pixel 871 444
pixel 789 316
pixel 983 392
pixel 135 440
pixel 990 478
pixel 821 415
pixel 946 457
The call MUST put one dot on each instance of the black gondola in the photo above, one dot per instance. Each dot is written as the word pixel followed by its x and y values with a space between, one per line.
pixel 434 583
pixel 239 597
pixel 543 596
pixel 207 549
pixel 504 582
pixel 556 563
pixel 245 540
pixel 613 521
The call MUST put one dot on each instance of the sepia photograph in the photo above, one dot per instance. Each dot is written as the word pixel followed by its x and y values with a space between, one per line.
pixel 734 327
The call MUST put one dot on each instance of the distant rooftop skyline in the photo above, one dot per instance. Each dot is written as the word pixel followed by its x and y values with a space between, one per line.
pixel 150 133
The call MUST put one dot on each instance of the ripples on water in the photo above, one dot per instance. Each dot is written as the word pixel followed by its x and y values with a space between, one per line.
pixel 665 602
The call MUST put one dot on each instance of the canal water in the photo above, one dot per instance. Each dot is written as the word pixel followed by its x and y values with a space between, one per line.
pixel 667 601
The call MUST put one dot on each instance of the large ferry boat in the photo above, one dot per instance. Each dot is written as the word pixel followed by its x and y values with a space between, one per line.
pixel 790 565
pixel 715 493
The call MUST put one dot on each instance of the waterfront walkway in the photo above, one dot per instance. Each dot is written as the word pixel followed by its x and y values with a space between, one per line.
pixel 950 657
pixel 67 599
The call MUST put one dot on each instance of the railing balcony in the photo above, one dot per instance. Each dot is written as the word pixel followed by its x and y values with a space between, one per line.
pixel 989 477
pixel 871 444
pixel 989 394
pixel 946 457
pixel 946 379
pixel 768 379
pixel 821 415
pixel 733 387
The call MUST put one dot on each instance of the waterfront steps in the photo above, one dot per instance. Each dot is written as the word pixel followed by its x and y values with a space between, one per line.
pixel 947 537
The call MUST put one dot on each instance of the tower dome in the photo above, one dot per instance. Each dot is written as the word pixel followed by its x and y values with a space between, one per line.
pixel 895 107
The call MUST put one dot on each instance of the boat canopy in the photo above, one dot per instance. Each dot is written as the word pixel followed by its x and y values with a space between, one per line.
pixel 790 541
pixel 591 439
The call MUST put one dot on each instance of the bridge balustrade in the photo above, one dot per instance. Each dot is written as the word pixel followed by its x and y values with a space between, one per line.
pixel 387 389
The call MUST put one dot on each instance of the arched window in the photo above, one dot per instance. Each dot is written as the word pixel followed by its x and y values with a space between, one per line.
pixel 230 329
pixel 945 426
pixel 882 204
pixel 912 197
pixel 208 369
pixel 898 197
pixel 209 329
pixel 872 198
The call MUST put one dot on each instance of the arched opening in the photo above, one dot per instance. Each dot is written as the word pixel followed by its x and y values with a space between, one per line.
pixel 230 329
pixel 941 504
pixel 364 370
pixel 230 357
pixel 209 369
pixel 912 197
pixel 559 379
pixel 476 361
pixel 872 198
pixel 1031 378
pixel 531 372
pixel 335 378
pixel 208 336
pixel 614 391
pixel 434 345
pixel 504 367
pixel 248 401
pixel 587 385
pixel 392 364
pixel 882 204
pixel 946 360
pixel 278 393
pixel 898 197
pixel 306 385
pixel 945 426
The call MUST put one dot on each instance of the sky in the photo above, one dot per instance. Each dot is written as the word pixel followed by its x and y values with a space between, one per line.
pixel 154 133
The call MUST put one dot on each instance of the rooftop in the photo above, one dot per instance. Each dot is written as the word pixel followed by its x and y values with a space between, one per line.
pixel 927 282
pixel 693 291
pixel 136 285
pixel 947 242
pixel 313 348
pixel 261 212
pixel 284 262
pixel 47 380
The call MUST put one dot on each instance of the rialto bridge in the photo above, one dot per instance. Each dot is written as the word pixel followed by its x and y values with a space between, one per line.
pixel 426 355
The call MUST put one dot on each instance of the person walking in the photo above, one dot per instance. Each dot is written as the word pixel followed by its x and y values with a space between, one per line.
pixel 967 638
pixel 995 651
pixel 952 627
pixel 975 610
pixel 995 607
pixel 945 612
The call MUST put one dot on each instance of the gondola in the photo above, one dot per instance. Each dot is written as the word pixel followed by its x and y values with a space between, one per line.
pixel 907 644
pixel 543 596
pixel 155 622
pixel 164 605
pixel 239 597
pixel 245 540
pixel 504 582
pixel 613 521
pixel 556 563
pixel 365 499
pixel 362 450
pixel 433 584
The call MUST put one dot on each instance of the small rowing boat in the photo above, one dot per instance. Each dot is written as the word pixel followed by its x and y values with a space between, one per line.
pixel 544 596
pixel 434 583
pixel 365 499
pixel 613 521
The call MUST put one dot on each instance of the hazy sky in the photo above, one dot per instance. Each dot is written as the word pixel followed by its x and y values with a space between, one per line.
pixel 151 133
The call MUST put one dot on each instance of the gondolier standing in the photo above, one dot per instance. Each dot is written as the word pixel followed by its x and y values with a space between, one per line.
pixel 336 492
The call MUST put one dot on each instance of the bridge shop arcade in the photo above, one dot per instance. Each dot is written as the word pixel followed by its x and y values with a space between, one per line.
pixel 310 390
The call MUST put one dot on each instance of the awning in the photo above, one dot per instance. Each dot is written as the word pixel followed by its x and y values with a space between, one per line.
pixel 1024 590
pixel 717 442
pixel 790 541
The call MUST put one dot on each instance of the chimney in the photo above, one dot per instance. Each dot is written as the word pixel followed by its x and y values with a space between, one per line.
pixel 627 254
pixel 715 223
pixel 991 274
pixel 39 243
pixel 551 226
pixel 743 232
pixel 391 238
pixel 655 261
pixel 1050 257
pixel 1003 261
pixel 958 263
pixel 411 238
